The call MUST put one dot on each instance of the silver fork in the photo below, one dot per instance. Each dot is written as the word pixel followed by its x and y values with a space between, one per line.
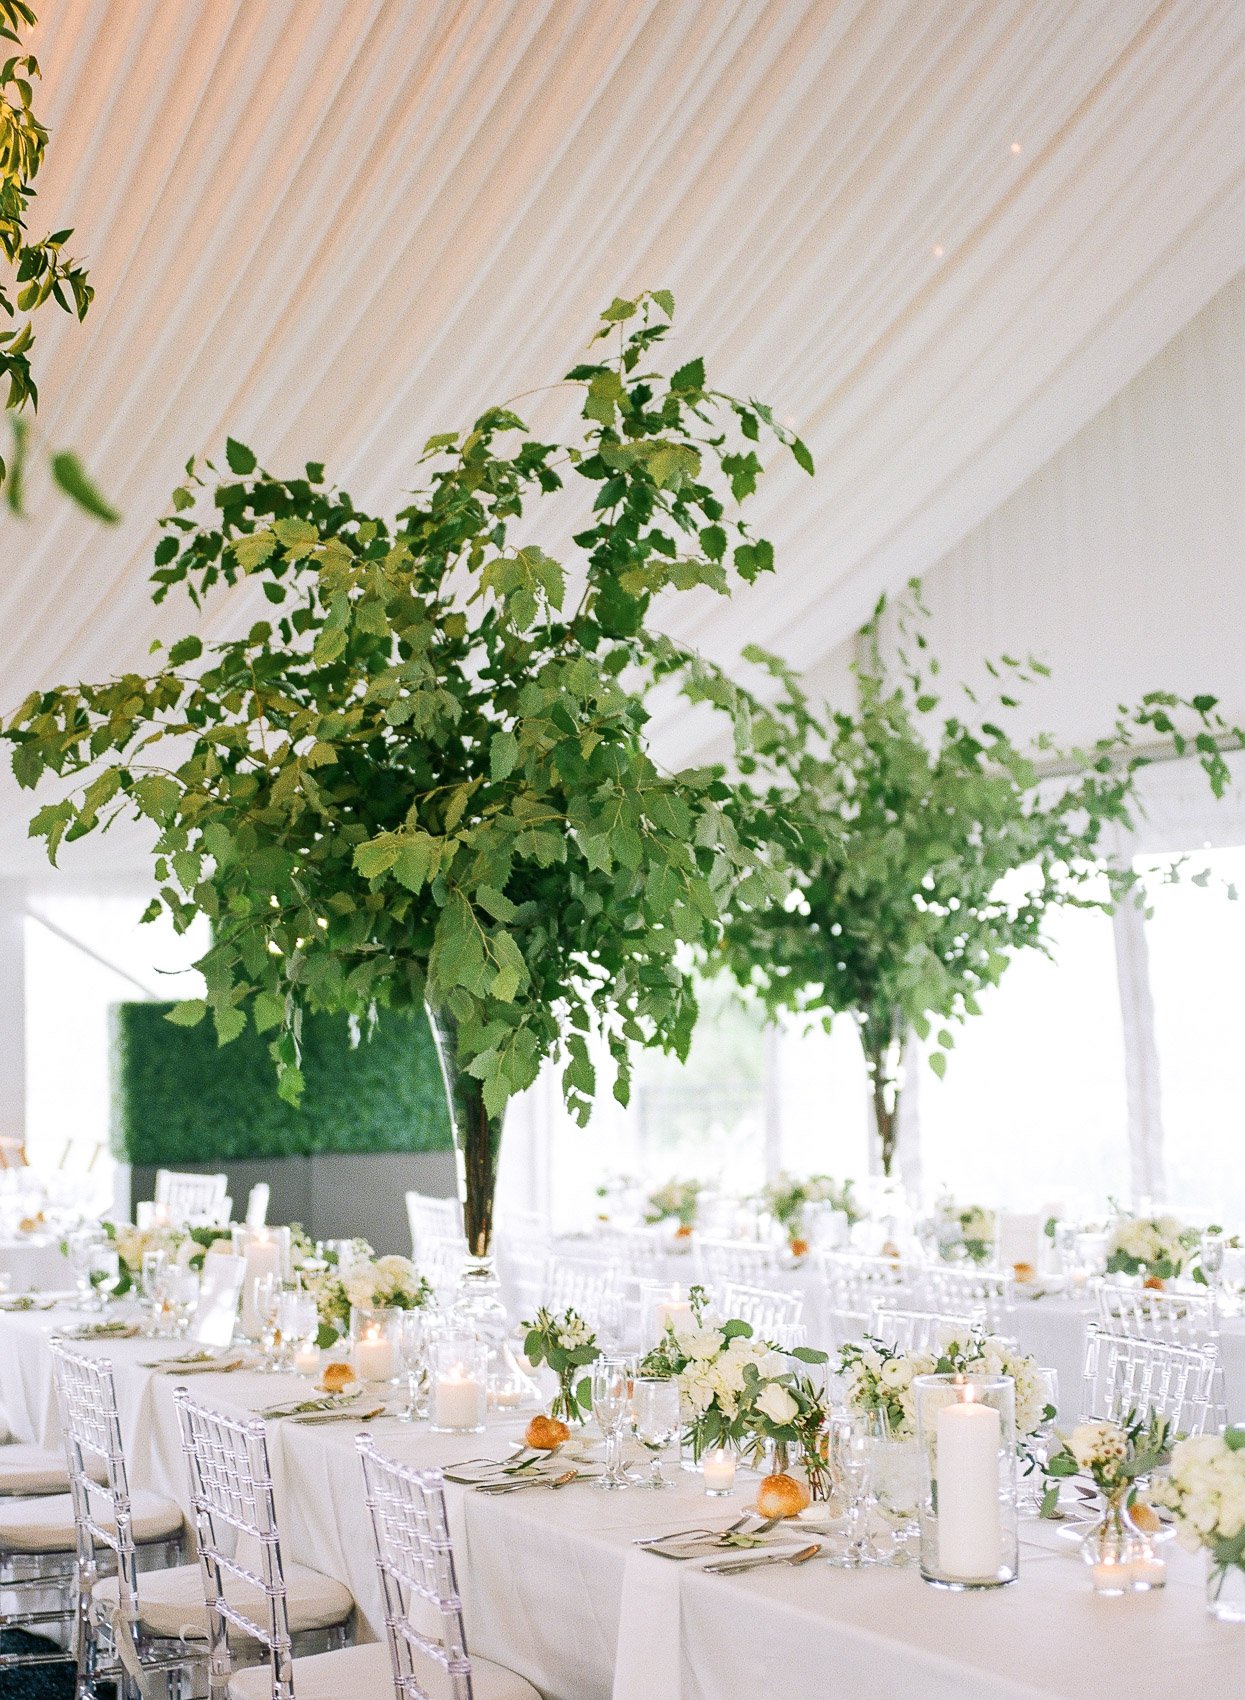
pixel 710 1534
pixel 735 1567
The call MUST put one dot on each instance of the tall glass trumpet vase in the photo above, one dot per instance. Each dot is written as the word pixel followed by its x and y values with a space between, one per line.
pixel 966 1437
pixel 477 1309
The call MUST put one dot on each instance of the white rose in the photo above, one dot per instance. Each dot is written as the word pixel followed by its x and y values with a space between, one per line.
pixel 777 1404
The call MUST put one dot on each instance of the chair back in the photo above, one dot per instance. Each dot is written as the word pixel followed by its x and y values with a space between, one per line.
pixel 988 1296
pixel 584 1285
pixel 438 1219
pixel 916 1330
pixel 772 1315
pixel 257 1204
pixel 1182 1319
pixel 1124 1375
pixel 196 1199
pixel 441 1262
pixel 231 1501
pixel 854 1287
pixel 416 1563
pixel 99 1485
pixel 739 1261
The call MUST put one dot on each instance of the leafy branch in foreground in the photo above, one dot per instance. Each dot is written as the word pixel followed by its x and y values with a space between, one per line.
pixel 427 776
pixel 40 270
pixel 926 853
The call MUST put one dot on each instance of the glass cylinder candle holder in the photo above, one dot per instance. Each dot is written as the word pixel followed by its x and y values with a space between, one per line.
pixel 376 1342
pixel 966 1436
pixel 459 1385
pixel 718 1468
pixel 662 1303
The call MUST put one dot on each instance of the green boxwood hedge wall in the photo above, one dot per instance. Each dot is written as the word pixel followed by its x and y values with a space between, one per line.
pixel 178 1098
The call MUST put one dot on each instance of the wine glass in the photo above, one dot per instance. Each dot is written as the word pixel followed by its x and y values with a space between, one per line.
pixel 154 1267
pixel 297 1319
pixel 655 1421
pixel 612 1377
pixel 267 1311
pixel 1214 1245
pixel 415 1333
pixel 82 1243
pixel 852 1446
pixel 181 1296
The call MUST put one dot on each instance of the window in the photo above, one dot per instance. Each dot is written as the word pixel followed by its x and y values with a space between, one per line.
pixel 1196 941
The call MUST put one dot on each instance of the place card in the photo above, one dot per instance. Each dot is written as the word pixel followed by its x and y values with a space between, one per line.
pixel 217 1310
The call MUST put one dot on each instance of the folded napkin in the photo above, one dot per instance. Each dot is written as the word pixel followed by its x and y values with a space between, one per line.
pixel 101 1331
pixel 329 1403
pixel 28 1301
pixel 196 1365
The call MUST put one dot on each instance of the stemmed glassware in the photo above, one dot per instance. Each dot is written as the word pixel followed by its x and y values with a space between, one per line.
pixel 296 1323
pixel 655 1421
pixel 267 1314
pixel 417 1329
pixel 154 1268
pixel 852 1446
pixel 612 1379
pixel 82 1244
pixel 1210 1259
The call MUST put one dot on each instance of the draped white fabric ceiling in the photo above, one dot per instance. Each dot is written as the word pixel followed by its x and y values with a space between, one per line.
pixel 331 227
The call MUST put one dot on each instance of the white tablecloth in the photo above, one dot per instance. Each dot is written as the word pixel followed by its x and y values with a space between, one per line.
pixel 555 1588
pixel 34 1263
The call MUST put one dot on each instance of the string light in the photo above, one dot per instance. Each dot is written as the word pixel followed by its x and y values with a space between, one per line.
pixel 1016 148
pixel 938 250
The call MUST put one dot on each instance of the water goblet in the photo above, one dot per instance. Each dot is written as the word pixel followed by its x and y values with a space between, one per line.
pixel 297 1321
pixel 852 1444
pixel 181 1296
pixel 152 1277
pixel 267 1309
pixel 1213 1248
pixel 415 1332
pixel 655 1421
pixel 105 1272
pixel 612 1378
pixel 81 1244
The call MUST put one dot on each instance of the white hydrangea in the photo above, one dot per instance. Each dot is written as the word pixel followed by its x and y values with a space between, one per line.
pixel 1205 1487
pixel 1148 1240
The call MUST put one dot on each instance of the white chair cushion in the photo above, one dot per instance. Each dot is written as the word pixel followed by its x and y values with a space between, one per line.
pixel 32 1469
pixel 46 1525
pixel 171 1603
pixel 364 1673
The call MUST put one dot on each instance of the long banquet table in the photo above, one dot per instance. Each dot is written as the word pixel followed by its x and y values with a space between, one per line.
pixel 554 1587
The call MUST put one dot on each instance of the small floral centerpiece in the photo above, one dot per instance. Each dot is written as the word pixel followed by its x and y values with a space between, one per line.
pixel 386 1283
pixel 1112 1455
pixel 1154 1247
pixel 132 1244
pixel 791 1412
pixel 715 1364
pixel 878 1383
pixel 786 1199
pixel 1205 1488
pixel 676 1201
pixel 964 1230
pixel 567 1345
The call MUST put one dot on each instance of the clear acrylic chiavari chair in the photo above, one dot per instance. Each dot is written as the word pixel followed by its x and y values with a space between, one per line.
pixel 772 1316
pixel 854 1287
pixel 732 1260
pixel 423 1611
pixel 113 1527
pixel 917 1330
pixel 433 1219
pixel 986 1295
pixel 592 1289
pixel 1124 1375
pixel 196 1199
pixel 244 1579
pixel 1182 1319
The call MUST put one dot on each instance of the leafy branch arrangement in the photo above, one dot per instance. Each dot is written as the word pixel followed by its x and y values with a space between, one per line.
pixel 427 775
pixel 927 852
pixel 40 270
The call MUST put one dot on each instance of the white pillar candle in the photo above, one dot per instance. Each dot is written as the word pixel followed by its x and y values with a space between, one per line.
pixel 719 1470
pixel 374 1358
pixel 675 1312
pixel 262 1257
pixel 459 1401
pixel 970 1532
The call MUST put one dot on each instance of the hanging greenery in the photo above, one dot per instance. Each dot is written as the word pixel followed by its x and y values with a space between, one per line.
pixel 40 271
pixel 427 775
pixel 928 850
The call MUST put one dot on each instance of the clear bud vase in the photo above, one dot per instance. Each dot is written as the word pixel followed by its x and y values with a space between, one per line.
pixel 966 1439
pixel 1111 1548
pixel 1225 1591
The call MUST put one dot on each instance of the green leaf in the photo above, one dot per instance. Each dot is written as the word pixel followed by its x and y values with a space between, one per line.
pixel 268 1011
pixel 503 755
pixel 70 474
pixel 689 377
pixel 378 855
pixel 240 458
pixel 188 1013
pixel 938 1062
pixel 802 456
pixel 187 649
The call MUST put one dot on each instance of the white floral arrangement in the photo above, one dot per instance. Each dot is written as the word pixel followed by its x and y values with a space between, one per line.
pixel 385 1283
pixel 1156 1246
pixel 786 1198
pixel 879 1378
pixel 677 1200
pixel 1205 1488
pixel 715 1364
pixel 1113 1454
pixel 967 1228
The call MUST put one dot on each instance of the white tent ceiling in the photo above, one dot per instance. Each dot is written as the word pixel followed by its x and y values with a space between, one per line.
pixel 938 234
